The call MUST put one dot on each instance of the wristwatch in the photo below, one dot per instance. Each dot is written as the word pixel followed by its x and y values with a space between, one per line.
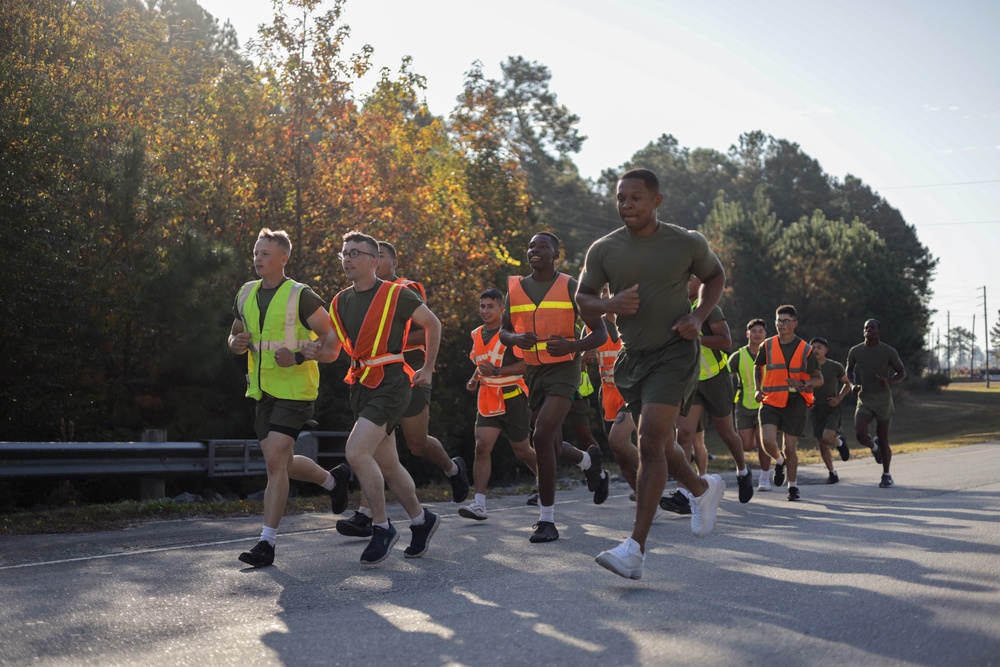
pixel 496 371
pixel 300 358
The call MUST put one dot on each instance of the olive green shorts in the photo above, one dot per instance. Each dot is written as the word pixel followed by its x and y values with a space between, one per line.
pixel 824 418
pixel 420 398
pixel 562 379
pixel 746 418
pixel 655 376
pixel 516 421
pixel 384 405
pixel 281 415
pixel 790 419
pixel 715 394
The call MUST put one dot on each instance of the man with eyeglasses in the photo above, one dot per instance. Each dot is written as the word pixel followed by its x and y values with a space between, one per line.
pixel 370 319
pixel 786 374
pixel 647 264
pixel 415 420
pixel 283 381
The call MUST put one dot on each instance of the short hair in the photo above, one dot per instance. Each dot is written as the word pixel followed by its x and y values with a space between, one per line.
pixel 822 341
pixel 787 310
pixel 877 323
pixel 646 176
pixel 279 236
pixel 550 235
pixel 492 293
pixel 355 236
pixel 755 322
pixel 385 245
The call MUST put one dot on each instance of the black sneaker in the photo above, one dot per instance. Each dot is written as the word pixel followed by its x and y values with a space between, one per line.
pixel 677 503
pixel 459 482
pixel 745 484
pixel 845 451
pixel 545 531
pixel 779 474
pixel 382 541
pixel 533 499
pixel 833 477
pixel 876 450
pixel 422 533
pixel 262 554
pixel 884 484
pixel 338 495
pixel 593 473
pixel 359 525
pixel 602 491
pixel 793 493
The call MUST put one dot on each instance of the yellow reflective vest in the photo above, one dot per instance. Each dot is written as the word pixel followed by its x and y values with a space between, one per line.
pixel 282 328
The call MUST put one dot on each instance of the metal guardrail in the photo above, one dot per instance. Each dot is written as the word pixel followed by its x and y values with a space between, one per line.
pixel 211 458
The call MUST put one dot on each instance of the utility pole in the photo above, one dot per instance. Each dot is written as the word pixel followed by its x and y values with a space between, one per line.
pixel 948 340
pixel 986 338
pixel 972 349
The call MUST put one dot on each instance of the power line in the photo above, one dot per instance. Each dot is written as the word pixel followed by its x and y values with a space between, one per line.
pixel 966 222
pixel 937 185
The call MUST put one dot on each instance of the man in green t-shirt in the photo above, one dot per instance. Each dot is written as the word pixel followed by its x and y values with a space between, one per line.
pixel 741 365
pixel 868 367
pixel 825 415
pixel 380 389
pixel 647 264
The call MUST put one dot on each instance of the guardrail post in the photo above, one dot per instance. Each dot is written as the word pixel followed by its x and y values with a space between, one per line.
pixel 153 488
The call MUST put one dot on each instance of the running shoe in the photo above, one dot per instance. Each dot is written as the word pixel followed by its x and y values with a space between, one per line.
pixel 261 555
pixel 745 484
pixel 625 560
pixel 459 482
pixel 545 531
pixel 833 477
pixel 381 544
pixel 845 451
pixel 705 507
pixel 474 510
pixel 533 498
pixel 422 533
pixel 886 481
pixel 593 473
pixel 338 494
pixel 764 481
pixel 793 493
pixel 359 525
pixel 779 474
pixel 602 491
pixel 876 450
pixel 677 503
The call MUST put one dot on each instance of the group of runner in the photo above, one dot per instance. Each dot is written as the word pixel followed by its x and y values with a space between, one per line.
pixel 648 295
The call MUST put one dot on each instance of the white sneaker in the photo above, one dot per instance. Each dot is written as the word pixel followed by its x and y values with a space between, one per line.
pixel 474 510
pixel 764 483
pixel 625 560
pixel 705 507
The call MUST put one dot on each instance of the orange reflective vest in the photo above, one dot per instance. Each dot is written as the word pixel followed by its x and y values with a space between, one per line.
pixel 371 352
pixel 419 289
pixel 494 389
pixel 554 316
pixel 611 398
pixel 778 371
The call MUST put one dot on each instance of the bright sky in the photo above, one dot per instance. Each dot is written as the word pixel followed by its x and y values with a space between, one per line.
pixel 904 95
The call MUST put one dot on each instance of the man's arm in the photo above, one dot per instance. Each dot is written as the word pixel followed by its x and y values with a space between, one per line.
pixel 709 294
pixel 431 325
pixel 591 304
pixel 525 340
pixel 326 348
pixel 239 338
pixel 721 339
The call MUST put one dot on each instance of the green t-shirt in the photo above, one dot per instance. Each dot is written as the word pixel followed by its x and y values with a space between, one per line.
pixel 661 265
pixel 309 303
pixel 352 306
pixel 832 372
pixel 870 361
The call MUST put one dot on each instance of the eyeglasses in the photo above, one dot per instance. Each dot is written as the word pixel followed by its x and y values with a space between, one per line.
pixel 353 254
pixel 783 321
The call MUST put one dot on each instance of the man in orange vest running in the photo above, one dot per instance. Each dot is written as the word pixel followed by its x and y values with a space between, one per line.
pixel 502 399
pixel 646 264
pixel 370 319
pixel 785 375
pixel 415 420
pixel 541 320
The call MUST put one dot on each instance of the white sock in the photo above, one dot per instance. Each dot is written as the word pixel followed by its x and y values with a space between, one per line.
pixel 367 512
pixel 329 483
pixel 419 519
pixel 547 513
pixel 481 499
pixel 584 463
pixel 743 472
pixel 269 535
pixel 780 461
pixel 383 526
pixel 454 469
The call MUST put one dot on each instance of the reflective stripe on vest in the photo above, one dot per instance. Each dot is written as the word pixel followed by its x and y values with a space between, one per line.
pixel 777 373
pixel 370 352
pixel 711 362
pixel 747 396
pixel 282 329
pixel 554 316
pixel 419 289
pixel 491 396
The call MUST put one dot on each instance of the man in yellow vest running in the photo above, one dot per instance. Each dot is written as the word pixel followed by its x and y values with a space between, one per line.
pixel 275 319
pixel 370 319
pixel 741 364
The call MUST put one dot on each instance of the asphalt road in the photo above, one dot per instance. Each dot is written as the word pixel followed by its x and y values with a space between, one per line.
pixel 851 575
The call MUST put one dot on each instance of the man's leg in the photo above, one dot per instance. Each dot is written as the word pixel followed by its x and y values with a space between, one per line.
pixel 396 477
pixel 549 445
pixel 277 449
pixel 482 465
pixel 423 445
pixel 365 438
pixel 827 443
pixel 620 441
pixel 687 427
pixel 791 456
pixel 882 429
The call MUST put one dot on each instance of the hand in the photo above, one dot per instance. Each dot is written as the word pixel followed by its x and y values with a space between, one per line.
pixel 311 350
pixel 241 342
pixel 525 340
pixel 284 357
pixel 485 368
pixel 473 384
pixel 588 356
pixel 625 302
pixel 758 396
pixel 833 401
pixel 882 381
pixel 559 346
pixel 857 389
pixel 688 327
pixel 422 378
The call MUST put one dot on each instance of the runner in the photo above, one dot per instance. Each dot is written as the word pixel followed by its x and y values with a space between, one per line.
pixel 826 414
pixel 741 364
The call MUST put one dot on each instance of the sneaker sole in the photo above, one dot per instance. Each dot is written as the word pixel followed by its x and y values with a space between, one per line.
pixel 469 514
pixel 395 538
pixel 608 561
pixel 427 544
pixel 252 563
